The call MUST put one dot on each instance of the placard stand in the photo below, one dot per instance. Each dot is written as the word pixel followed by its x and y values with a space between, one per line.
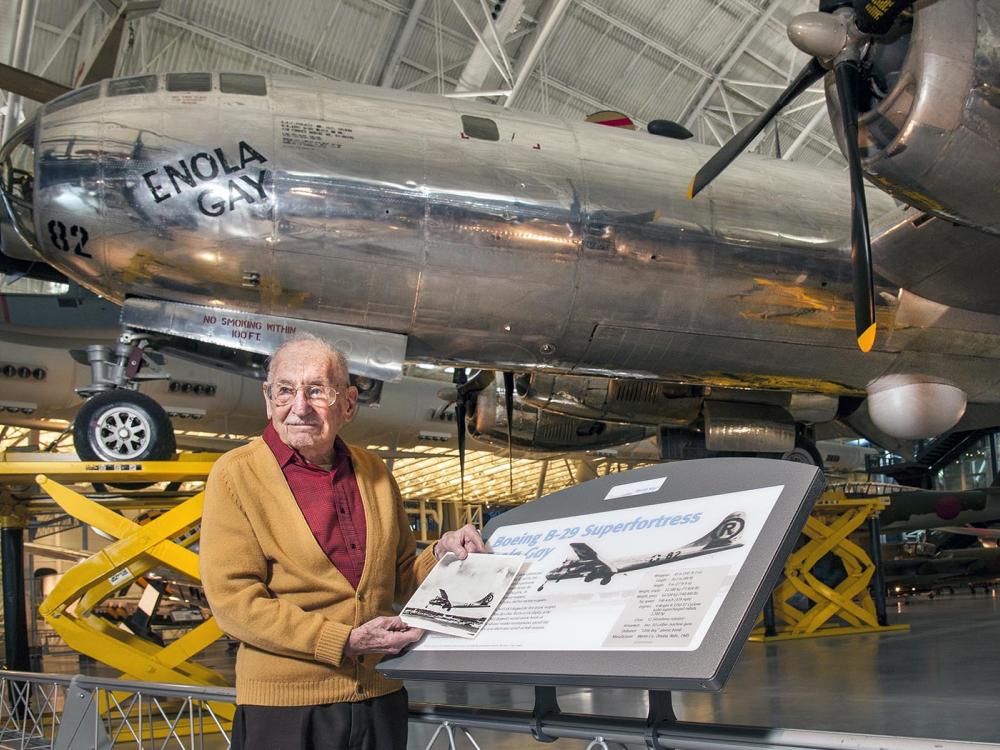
pixel 715 530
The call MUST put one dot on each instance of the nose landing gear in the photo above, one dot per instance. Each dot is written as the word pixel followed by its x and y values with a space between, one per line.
pixel 117 423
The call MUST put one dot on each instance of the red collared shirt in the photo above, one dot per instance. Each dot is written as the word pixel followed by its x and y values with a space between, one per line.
pixel 330 502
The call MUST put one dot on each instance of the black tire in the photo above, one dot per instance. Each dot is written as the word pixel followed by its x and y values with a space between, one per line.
pixel 145 432
pixel 804 452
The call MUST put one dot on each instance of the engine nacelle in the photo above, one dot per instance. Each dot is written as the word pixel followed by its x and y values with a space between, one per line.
pixel 657 404
pixel 541 431
pixel 643 402
pixel 930 135
pixel 910 407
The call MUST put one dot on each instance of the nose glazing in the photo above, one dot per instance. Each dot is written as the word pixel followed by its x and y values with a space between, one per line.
pixel 17 187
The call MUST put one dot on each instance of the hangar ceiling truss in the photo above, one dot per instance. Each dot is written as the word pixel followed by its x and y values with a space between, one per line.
pixel 710 64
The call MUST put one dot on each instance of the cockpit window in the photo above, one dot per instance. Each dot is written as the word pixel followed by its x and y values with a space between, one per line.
pixel 189 82
pixel 481 128
pixel 17 172
pixel 133 85
pixel 74 97
pixel 242 83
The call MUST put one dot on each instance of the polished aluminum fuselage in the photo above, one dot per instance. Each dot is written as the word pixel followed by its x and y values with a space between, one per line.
pixel 562 246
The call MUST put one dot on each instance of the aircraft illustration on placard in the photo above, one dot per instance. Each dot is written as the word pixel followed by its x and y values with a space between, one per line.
pixel 590 567
pixel 445 603
pixel 227 211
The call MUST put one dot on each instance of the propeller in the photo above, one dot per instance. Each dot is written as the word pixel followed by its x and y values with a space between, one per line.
pixel 466 390
pixel 836 38
pixel 508 399
pixel 459 378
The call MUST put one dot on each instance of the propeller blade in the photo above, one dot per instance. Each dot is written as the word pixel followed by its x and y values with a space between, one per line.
pixel 877 18
pixel 508 398
pixel 848 75
pixel 739 142
pixel 458 378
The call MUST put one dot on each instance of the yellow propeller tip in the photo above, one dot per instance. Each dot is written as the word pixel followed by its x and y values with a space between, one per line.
pixel 691 189
pixel 867 339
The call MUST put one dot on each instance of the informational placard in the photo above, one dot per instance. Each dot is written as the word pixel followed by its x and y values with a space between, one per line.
pixel 650 578
pixel 643 579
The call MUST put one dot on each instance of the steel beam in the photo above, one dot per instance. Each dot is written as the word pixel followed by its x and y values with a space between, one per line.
pixel 65 35
pixel 401 44
pixel 731 59
pixel 225 41
pixel 803 136
pixel 644 38
pixel 478 65
pixel 790 121
pixel 322 37
pixel 556 11
pixel 22 53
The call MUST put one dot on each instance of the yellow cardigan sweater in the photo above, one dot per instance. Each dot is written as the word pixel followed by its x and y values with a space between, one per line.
pixel 272 587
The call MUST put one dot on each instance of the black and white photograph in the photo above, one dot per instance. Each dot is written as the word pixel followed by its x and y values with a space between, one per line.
pixel 459 596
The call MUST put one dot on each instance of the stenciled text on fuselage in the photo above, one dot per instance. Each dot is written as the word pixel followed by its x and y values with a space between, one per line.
pixel 203 170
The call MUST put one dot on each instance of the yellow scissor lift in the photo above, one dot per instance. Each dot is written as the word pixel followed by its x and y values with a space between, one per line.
pixel 161 543
pixel 845 608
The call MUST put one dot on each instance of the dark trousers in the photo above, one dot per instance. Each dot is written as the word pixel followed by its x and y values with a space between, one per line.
pixel 374 724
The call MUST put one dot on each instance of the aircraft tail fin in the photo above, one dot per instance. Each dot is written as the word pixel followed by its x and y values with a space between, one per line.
pixel 585 552
pixel 591 559
pixel 725 534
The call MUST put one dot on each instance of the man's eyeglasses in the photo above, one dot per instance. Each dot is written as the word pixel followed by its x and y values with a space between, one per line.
pixel 282 394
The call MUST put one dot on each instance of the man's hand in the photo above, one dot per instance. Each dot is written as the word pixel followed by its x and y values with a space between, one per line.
pixel 461 542
pixel 383 635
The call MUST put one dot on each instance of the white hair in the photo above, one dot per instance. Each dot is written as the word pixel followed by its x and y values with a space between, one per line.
pixel 337 357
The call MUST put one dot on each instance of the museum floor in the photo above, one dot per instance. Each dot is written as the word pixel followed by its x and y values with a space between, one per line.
pixel 940 680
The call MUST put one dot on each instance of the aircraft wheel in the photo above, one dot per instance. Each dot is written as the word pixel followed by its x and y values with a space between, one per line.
pixel 804 452
pixel 123 425
pixel 605 581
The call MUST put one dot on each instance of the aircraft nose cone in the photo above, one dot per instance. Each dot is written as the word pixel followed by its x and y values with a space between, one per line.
pixel 17 186
pixel 821 35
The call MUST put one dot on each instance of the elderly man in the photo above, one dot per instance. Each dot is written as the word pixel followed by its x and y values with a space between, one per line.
pixel 305 545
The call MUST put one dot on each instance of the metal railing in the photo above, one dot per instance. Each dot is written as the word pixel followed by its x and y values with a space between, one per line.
pixel 30 707
pixel 58 712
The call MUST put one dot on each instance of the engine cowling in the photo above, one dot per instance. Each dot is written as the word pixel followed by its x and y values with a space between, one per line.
pixel 929 135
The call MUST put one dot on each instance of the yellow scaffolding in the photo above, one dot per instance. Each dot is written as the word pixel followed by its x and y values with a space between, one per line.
pixel 139 548
pixel 163 542
pixel 827 531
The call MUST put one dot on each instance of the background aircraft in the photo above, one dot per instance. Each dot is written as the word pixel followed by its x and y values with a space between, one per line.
pixel 208 400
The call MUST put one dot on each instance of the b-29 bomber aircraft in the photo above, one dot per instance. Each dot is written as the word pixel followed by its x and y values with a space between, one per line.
pixel 590 567
pixel 233 210
pixel 447 604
